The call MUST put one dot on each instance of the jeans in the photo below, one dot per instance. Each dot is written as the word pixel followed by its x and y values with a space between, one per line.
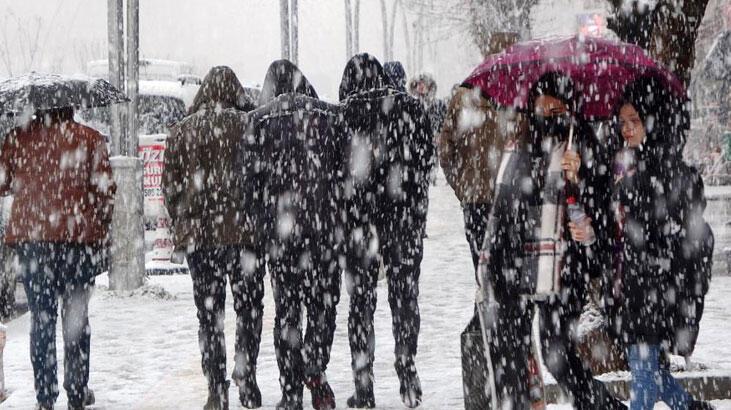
pixel 651 382
pixel 475 225
pixel 304 273
pixel 51 271
pixel 209 269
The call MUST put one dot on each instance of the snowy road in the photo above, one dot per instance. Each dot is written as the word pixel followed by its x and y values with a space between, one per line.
pixel 145 350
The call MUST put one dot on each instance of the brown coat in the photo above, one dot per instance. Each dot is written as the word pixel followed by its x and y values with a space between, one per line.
pixel 199 180
pixel 62 182
pixel 471 143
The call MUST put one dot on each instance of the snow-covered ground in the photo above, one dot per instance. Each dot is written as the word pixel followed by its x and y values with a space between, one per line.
pixel 145 349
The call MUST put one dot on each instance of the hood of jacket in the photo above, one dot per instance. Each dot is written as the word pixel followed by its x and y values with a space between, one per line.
pixel 222 88
pixel 429 83
pixel 396 73
pixel 283 77
pixel 363 73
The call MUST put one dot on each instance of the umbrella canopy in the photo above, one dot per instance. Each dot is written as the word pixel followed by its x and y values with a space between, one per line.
pixel 599 68
pixel 39 92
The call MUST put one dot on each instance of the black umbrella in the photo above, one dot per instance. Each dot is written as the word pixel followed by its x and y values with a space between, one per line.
pixel 33 92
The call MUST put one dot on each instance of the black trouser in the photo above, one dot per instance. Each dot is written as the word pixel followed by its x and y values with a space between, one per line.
pixel 209 269
pixel 303 274
pixel 475 225
pixel 562 359
pixel 402 253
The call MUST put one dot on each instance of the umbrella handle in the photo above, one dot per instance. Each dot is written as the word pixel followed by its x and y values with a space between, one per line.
pixel 571 136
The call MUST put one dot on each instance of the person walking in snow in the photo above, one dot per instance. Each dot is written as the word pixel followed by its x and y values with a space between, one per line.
pixel 59 172
pixel 199 183
pixel 389 160
pixel 660 229
pixel 291 160
pixel 423 87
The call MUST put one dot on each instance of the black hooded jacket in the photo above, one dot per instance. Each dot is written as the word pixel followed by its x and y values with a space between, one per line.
pixel 390 146
pixel 291 158
pixel 662 237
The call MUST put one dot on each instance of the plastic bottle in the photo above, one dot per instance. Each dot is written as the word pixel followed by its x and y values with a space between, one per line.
pixel 579 217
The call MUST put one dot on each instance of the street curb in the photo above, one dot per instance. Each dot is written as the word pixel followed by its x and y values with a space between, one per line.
pixel 700 387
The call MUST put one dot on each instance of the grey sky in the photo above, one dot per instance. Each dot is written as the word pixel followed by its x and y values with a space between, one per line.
pixel 241 33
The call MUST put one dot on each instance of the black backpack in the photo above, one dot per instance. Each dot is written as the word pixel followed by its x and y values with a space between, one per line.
pixel 693 257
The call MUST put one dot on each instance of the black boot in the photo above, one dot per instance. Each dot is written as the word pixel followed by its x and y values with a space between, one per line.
pixel 362 401
pixel 290 401
pixel 89 399
pixel 323 397
pixel 410 386
pixel 363 398
pixel 249 393
pixel 217 397
pixel 700 405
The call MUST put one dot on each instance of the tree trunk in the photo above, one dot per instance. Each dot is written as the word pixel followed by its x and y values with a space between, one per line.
pixel 392 28
pixel 667 32
pixel 384 24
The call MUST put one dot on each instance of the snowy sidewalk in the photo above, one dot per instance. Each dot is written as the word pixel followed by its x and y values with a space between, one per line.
pixel 145 348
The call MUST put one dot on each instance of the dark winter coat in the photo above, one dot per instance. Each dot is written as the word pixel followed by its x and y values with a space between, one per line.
pixel 199 180
pixel 62 181
pixel 664 246
pixel 390 153
pixel 510 228
pixel 660 206
pixel 292 158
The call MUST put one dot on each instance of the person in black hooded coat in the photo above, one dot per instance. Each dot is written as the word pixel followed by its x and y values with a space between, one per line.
pixel 386 192
pixel 290 163
pixel 658 288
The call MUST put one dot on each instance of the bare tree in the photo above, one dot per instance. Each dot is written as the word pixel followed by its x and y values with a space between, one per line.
pixel 478 19
pixel 668 30
pixel 22 52
pixel 352 27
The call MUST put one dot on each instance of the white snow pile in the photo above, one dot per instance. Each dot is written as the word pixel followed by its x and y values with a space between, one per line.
pixel 146 291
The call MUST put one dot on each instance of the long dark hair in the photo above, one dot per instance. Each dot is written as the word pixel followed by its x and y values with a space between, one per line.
pixel 665 117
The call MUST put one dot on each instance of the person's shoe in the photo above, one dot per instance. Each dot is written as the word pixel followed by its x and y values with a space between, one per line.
pixel 701 405
pixel 358 401
pixel 89 400
pixel 289 402
pixel 44 406
pixel 363 398
pixel 249 393
pixel 409 384
pixel 217 398
pixel 323 397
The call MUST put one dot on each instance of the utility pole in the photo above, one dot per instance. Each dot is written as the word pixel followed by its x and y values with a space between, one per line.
pixel 294 32
pixel 348 30
pixel 356 27
pixel 133 74
pixel 115 61
pixel 284 28
pixel 127 258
